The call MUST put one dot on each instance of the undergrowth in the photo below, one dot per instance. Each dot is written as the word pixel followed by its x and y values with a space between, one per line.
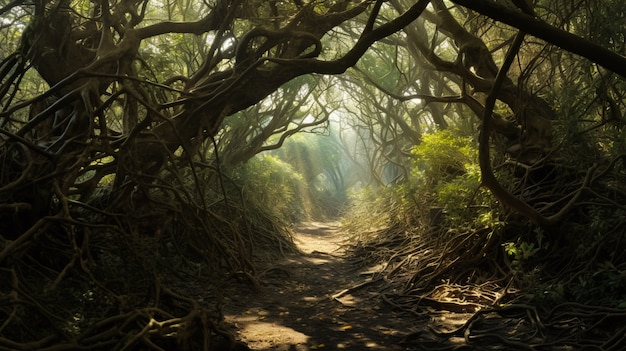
pixel 446 244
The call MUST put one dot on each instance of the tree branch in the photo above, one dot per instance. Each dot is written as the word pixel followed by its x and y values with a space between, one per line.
pixel 212 21
pixel 489 180
pixel 363 44
pixel 555 36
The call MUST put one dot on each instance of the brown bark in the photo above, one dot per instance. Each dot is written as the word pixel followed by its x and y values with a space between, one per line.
pixel 488 178
pixel 203 114
pixel 551 34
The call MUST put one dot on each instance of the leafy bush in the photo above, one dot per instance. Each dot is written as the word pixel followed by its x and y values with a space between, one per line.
pixel 444 177
pixel 442 156
pixel 273 185
pixel 446 171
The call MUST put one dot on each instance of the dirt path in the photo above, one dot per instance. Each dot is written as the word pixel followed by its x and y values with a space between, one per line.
pixel 303 304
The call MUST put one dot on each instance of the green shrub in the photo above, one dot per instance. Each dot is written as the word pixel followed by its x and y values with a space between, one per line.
pixel 446 172
pixel 443 156
pixel 273 185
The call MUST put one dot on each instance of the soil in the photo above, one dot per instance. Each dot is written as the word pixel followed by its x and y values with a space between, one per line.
pixel 303 303
pixel 318 300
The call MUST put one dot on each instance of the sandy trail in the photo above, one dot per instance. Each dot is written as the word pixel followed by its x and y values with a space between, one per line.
pixel 296 310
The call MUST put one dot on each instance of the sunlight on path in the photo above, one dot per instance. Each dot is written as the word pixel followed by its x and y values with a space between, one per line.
pixel 319 236
pixel 264 335
pixel 296 310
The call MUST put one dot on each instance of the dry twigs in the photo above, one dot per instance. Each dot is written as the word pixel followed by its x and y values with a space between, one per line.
pixel 129 265
pixel 559 295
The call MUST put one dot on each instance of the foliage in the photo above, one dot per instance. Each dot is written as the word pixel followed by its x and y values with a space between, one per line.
pixel 443 192
pixel 446 171
pixel 265 178
pixel 442 156
pixel 376 208
pixel 114 193
pixel 318 157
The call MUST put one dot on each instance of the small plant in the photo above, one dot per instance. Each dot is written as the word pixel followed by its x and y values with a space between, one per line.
pixel 522 251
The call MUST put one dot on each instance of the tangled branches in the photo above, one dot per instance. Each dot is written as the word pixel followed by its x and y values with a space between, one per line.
pixel 524 327
pixel 92 277
pixel 511 284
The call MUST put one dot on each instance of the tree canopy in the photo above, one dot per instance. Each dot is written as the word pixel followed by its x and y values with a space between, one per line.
pixel 144 142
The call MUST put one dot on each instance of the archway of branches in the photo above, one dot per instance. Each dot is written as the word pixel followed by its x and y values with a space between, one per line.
pixel 153 151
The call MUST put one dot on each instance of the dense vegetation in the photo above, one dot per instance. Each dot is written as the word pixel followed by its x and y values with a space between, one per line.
pixel 153 151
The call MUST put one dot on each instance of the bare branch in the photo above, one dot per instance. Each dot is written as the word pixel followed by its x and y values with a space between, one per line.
pixel 551 34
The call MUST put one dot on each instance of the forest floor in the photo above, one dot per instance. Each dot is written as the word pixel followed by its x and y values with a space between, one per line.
pixel 303 303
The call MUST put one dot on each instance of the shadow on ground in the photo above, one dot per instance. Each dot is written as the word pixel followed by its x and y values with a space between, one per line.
pixel 303 304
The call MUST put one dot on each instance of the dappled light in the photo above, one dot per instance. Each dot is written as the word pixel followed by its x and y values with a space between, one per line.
pixel 312 174
pixel 303 305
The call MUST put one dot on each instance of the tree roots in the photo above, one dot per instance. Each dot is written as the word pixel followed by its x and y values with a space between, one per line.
pixel 513 285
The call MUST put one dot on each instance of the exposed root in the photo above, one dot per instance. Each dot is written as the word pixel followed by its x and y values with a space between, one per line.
pixel 545 293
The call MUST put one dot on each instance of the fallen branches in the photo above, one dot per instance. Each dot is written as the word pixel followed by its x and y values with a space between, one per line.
pixel 555 293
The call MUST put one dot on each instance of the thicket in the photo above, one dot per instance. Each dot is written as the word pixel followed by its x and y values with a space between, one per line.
pixel 446 244
pixel 304 174
pixel 126 200
pixel 148 272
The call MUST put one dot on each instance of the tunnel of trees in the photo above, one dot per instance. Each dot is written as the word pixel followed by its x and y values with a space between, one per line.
pixel 152 151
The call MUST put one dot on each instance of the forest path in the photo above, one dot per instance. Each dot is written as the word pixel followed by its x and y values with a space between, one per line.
pixel 303 304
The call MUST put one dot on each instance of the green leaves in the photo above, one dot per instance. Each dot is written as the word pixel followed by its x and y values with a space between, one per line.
pixel 522 251
pixel 265 179
pixel 443 155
